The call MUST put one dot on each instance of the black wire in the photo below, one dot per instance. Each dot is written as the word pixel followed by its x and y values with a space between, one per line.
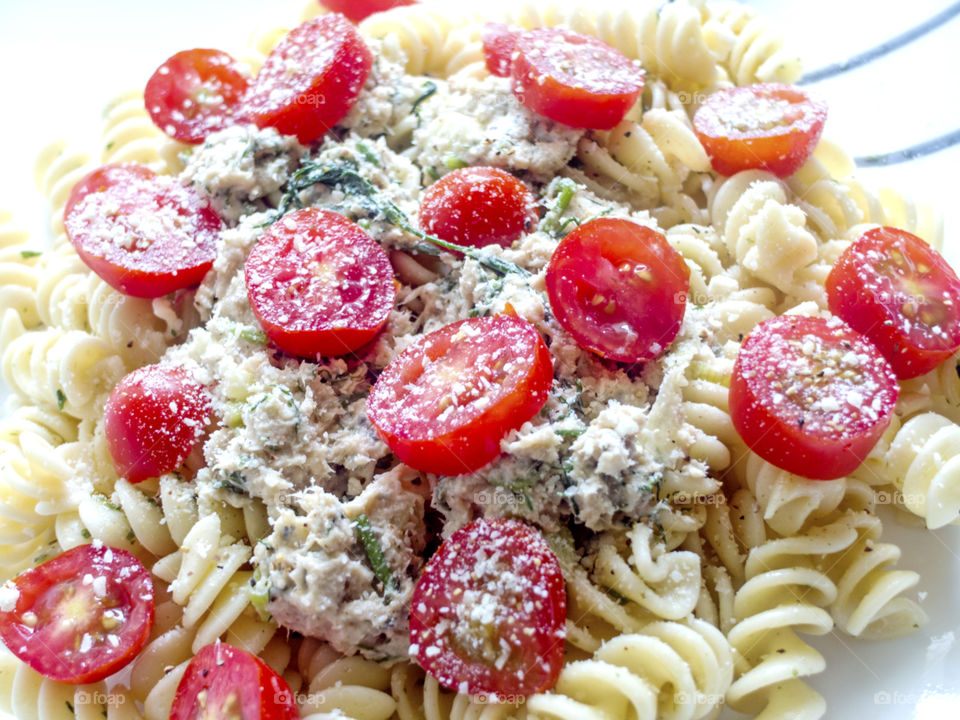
pixel 883 48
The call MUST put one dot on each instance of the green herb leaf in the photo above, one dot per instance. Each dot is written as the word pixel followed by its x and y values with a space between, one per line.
pixel 30 253
pixel 348 180
pixel 368 538
pixel 367 154
pixel 61 399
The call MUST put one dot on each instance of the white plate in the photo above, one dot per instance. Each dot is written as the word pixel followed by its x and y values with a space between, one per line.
pixel 63 60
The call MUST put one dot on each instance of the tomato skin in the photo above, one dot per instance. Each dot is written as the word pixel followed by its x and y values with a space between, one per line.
pixel 478 206
pixel 535 630
pixel 573 78
pixel 618 288
pixel 797 123
pixel 195 93
pixel 62 595
pixel 106 176
pixel 359 10
pixel 318 284
pixel 332 63
pixel 153 420
pixel 146 236
pixel 490 402
pixel 499 42
pixel 223 681
pixel 790 364
pixel 885 285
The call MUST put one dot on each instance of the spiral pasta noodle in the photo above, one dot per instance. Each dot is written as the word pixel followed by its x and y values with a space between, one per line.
pixel 129 135
pixel 667 670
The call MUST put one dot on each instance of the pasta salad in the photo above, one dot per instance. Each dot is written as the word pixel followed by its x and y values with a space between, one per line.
pixel 420 364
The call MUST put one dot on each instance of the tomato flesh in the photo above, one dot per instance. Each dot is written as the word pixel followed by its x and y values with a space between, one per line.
pixel 768 126
pixel 811 396
pixel 444 404
pixel 195 93
pixel 146 236
pixel 499 42
pixel 311 79
pixel 618 288
pixel 488 611
pixel 223 682
pixel 902 294
pixel 359 10
pixel 318 284
pixel 104 177
pixel 153 420
pixel 81 616
pixel 478 206
pixel 573 78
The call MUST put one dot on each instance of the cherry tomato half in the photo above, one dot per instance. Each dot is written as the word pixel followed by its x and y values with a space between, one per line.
pixel 901 293
pixel 444 404
pixel 81 616
pixel 499 42
pixel 106 176
pixel 811 396
pixel 768 126
pixel 359 10
pixel 489 610
pixel 573 78
pixel 478 206
pixel 318 284
pixel 195 93
pixel 311 79
pixel 153 420
pixel 144 235
pixel 223 682
pixel 618 288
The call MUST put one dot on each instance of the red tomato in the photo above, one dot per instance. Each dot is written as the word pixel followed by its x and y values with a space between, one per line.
pixel 153 419
pixel 769 126
pixel 319 284
pixel 574 79
pixel 81 616
pixel 499 42
pixel 357 10
pixel 195 93
pixel 145 235
pixel 899 292
pixel 223 682
pixel 489 610
pixel 811 396
pixel 478 206
pixel 618 288
pixel 311 79
pixel 106 176
pixel 444 404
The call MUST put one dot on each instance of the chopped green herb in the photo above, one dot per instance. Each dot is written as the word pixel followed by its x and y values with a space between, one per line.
pixel 454 163
pixel 432 172
pixel 131 537
pixel 30 253
pixel 429 88
pixel 570 432
pixel 349 181
pixel 259 593
pixel 85 534
pixel 367 154
pixel 561 191
pixel 61 399
pixel 371 544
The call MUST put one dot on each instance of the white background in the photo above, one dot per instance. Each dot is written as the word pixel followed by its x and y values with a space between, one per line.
pixel 61 61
